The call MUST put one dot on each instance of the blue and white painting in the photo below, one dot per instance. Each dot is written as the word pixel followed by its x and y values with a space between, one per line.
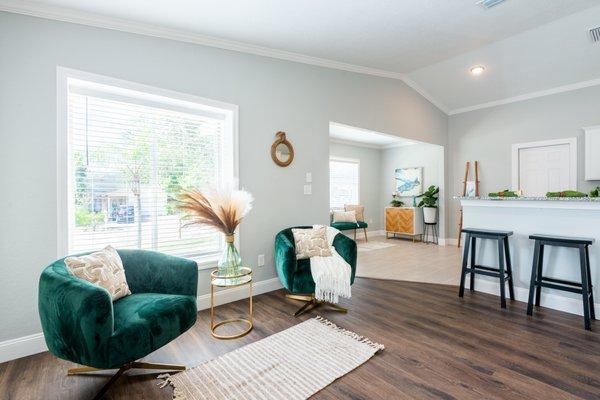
pixel 409 181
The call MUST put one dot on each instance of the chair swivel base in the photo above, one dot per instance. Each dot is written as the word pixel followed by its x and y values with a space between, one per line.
pixel 126 367
pixel 311 303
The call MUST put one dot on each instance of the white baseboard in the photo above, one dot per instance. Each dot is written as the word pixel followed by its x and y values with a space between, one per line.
pixel 548 300
pixel 22 347
pixel 33 344
pixel 230 295
pixel 450 242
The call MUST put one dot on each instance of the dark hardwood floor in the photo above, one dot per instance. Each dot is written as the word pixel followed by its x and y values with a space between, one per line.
pixel 437 346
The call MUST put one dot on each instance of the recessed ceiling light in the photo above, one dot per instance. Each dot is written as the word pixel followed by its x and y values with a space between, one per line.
pixel 477 70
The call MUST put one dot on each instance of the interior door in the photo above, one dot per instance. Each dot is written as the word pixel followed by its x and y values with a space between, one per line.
pixel 544 169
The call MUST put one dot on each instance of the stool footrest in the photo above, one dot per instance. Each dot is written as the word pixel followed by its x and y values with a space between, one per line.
pixel 560 287
pixel 488 271
pixel 561 281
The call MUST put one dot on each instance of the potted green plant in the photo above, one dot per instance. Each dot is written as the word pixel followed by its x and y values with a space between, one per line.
pixel 429 204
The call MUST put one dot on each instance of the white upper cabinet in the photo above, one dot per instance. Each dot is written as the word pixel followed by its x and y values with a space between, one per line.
pixel 592 153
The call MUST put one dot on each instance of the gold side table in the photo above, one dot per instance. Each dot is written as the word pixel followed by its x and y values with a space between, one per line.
pixel 243 277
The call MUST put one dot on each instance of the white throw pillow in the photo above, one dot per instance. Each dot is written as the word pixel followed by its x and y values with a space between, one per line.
pixel 358 209
pixel 311 242
pixel 103 268
pixel 344 216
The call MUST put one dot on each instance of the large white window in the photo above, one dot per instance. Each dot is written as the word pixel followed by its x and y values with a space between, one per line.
pixel 128 153
pixel 344 175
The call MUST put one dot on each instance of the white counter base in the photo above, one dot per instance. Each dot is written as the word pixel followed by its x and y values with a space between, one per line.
pixel 563 218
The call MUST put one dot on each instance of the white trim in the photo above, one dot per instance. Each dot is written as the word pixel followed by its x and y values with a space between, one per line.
pixel 528 96
pixel 101 21
pixel 64 76
pixel 548 299
pixel 32 344
pixel 22 347
pixel 355 144
pixel 417 88
pixel 450 242
pixel 572 142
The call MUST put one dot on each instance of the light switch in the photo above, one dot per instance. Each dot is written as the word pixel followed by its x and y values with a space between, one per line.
pixel 308 177
pixel 308 189
pixel 261 260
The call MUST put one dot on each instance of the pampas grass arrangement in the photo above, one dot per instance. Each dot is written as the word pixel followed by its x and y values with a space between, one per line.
pixel 222 208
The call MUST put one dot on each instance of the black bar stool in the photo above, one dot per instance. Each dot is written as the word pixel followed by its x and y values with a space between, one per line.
pixel 538 280
pixel 505 274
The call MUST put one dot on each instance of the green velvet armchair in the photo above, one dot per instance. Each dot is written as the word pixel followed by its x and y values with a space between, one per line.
pixel 295 274
pixel 82 324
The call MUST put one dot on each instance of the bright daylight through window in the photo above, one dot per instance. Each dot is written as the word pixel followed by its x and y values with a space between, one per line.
pixel 343 182
pixel 129 154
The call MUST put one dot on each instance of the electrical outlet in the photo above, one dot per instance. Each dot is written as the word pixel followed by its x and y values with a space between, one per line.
pixel 308 189
pixel 261 260
pixel 308 177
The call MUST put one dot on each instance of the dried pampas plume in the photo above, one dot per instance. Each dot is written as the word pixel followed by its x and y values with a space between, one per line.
pixel 223 208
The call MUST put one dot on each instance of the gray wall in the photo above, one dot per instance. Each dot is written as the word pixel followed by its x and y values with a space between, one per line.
pixel 428 156
pixel 370 173
pixel 487 135
pixel 272 95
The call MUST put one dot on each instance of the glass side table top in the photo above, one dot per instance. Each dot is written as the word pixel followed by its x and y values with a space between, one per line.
pixel 242 277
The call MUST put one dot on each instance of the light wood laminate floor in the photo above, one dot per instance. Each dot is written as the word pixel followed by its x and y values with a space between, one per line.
pixel 408 261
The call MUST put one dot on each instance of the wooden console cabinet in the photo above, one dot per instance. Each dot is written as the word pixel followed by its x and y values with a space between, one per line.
pixel 406 221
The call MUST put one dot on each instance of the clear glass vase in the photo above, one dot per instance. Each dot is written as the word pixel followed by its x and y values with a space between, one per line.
pixel 230 262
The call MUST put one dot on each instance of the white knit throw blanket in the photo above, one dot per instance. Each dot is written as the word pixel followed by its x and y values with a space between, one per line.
pixel 331 274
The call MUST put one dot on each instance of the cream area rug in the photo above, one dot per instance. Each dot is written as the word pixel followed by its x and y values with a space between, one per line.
pixel 370 246
pixel 293 364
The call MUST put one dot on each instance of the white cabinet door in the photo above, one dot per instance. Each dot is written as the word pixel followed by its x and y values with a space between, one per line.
pixel 545 167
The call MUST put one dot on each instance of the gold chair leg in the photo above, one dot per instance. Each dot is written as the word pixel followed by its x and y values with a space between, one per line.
pixel 83 370
pixel 126 367
pixel 300 297
pixel 336 307
pixel 307 307
pixel 312 303
pixel 365 229
pixel 145 365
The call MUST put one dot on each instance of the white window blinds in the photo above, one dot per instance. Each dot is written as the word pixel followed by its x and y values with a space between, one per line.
pixel 128 158
pixel 343 182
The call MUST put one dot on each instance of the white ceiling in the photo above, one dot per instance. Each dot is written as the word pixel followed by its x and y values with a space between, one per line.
pixel 346 133
pixel 552 55
pixel 526 45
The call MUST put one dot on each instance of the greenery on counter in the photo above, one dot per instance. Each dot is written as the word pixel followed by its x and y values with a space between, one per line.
pixel 595 192
pixel 566 193
pixel 504 193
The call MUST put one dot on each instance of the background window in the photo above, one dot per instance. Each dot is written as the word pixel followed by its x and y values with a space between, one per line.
pixel 343 182
pixel 129 154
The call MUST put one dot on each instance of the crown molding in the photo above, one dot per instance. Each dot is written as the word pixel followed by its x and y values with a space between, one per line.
pixel 528 96
pixel 355 144
pixel 64 14
pixel 371 146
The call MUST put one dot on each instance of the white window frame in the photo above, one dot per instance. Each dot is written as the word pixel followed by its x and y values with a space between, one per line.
pixel 572 142
pixel 173 98
pixel 348 160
